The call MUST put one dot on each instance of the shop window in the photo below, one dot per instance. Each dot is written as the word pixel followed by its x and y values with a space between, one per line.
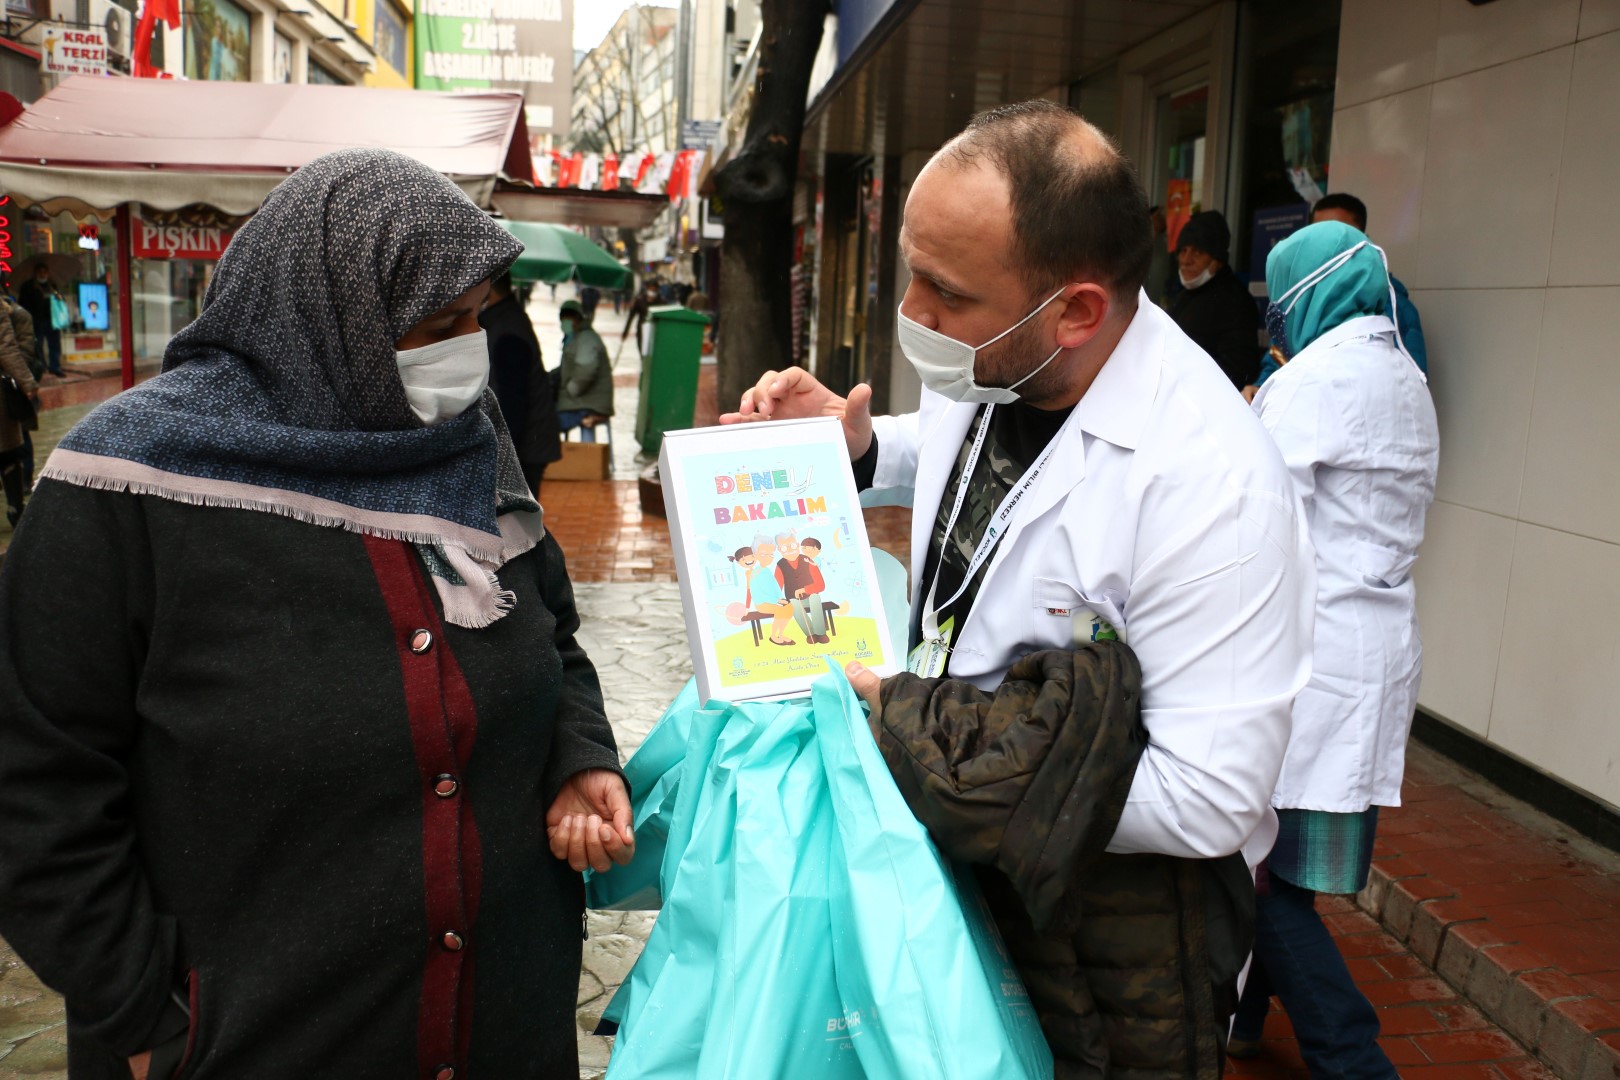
pixel 78 255
pixel 320 73
pixel 219 36
pixel 1288 124
pixel 390 35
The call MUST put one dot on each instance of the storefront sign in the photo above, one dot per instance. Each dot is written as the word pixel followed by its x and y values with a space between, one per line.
pixel 5 240
pixel 64 50
pixel 175 239
pixel 522 45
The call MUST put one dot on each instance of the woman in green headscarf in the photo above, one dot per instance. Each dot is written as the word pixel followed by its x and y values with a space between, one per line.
pixel 1351 413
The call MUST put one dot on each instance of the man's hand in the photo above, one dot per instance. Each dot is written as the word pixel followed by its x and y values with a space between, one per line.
pixel 870 689
pixel 589 824
pixel 795 394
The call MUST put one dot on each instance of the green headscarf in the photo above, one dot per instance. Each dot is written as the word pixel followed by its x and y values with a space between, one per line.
pixel 1359 287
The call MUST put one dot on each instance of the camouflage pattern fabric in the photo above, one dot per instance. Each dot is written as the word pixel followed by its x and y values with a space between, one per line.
pixel 1130 960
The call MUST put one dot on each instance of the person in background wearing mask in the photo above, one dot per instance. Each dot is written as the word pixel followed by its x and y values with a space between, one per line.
pixel 1080 470
pixel 585 376
pixel 35 297
pixel 520 381
pixel 1214 308
pixel 1353 418
pixel 323 808
pixel 1353 212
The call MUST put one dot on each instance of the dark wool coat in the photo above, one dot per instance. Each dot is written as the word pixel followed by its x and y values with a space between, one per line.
pixel 1131 961
pixel 1222 319
pixel 245 754
pixel 521 383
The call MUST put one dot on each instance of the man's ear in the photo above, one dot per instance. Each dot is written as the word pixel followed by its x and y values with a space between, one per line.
pixel 1085 308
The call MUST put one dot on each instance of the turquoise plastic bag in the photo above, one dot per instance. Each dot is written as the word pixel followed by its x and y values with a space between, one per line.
pixel 809 927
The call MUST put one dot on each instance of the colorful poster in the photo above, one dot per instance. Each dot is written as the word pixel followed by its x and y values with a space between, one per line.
pixel 218 33
pixel 93 305
pixel 776 573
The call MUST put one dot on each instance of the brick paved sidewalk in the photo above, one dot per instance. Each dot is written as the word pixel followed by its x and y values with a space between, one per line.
pixel 1488 939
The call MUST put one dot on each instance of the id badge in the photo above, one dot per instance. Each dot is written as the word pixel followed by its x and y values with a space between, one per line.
pixel 929 658
pixel 1090 626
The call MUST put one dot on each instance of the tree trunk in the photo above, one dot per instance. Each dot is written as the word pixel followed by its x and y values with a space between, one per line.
pixel 756 186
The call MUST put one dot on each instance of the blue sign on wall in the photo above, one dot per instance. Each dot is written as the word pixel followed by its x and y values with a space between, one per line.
pixel 1272 226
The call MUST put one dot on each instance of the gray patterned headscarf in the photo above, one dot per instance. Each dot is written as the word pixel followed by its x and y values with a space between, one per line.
pixel 284 395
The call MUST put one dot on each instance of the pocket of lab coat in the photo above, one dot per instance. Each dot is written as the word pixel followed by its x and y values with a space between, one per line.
pixel 1059 598
pixel 1381 567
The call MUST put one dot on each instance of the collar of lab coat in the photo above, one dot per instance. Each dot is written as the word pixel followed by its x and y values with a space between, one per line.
pixel 1362 327
pixel 1116 405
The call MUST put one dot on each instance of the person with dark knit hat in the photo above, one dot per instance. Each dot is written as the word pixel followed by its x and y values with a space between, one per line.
pixel 1214 308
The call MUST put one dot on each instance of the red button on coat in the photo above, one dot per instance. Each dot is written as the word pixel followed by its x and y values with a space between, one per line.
pixel 445 785
pixel 421 642
pixel 444 1072
pixel 452 941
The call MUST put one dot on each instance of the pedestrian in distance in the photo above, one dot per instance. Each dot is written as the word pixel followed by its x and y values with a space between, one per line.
pixel 1352 415
pixel 520 381
pixel 1214 308
pixel 312 793
pixel 1085 485
pixel 22 329
pixel 45 305
pixel 643 303
pixel 1346 208
pixel 19 403
pixel 584 375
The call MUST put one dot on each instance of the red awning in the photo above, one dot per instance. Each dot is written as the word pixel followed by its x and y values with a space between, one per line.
pixel 171 143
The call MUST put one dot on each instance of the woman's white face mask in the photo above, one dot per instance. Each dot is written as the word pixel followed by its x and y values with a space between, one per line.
pixel 444 379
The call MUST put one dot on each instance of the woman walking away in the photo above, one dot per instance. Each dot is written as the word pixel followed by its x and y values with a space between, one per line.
pixel 313 795
pixel 1351 413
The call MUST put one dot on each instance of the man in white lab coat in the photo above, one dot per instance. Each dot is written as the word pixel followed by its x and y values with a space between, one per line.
pixel 1079 468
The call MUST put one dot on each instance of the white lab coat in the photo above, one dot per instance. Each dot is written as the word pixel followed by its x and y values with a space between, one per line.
pixel 1355 423
pixel 1166 510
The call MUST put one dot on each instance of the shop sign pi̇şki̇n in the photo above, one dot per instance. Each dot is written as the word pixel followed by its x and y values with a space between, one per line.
pixel 179 235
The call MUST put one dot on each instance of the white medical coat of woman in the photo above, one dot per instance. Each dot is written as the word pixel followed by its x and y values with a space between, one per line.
pixel 1356 426
pixel 1165 510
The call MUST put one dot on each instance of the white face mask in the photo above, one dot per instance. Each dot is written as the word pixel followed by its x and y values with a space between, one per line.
pixel 1196 282
pixel 443 380
pixel 945 365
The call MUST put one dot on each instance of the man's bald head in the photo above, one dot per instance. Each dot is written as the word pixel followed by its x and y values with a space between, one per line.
pixel 1078 211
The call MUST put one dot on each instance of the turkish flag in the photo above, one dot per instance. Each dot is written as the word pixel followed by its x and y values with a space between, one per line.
pixel 610 172
pixel 152 12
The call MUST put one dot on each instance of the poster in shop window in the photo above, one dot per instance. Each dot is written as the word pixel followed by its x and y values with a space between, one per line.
pixel 771 550
pixel 93 305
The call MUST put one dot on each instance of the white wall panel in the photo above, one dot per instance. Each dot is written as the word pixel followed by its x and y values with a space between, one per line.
pixel 1462 584
pixel 1490 178
pixel 1378 154
pixel 1586 231
pixel 1385 46
pixel 1558 680
pixel 1473 37
pixel 1482 346
pixel 1572 462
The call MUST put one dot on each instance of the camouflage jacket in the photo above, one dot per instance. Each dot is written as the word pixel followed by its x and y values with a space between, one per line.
pixel 1131 960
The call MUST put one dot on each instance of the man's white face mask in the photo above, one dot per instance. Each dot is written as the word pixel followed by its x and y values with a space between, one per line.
pixel 945 365
pixel 443 380
pixel 1198 281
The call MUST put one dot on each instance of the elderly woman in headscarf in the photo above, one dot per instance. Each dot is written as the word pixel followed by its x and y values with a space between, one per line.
pixel 300 759
pixel 1352 415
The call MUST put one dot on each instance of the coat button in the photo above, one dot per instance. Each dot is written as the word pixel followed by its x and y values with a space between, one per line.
pixel 421 642
pixel 444 1072
pixel 452 941
pixel 444 785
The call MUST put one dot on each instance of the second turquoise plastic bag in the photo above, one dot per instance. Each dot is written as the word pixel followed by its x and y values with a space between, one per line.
pixel 809 926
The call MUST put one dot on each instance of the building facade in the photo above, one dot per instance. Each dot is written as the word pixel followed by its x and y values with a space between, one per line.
pixel 1482 136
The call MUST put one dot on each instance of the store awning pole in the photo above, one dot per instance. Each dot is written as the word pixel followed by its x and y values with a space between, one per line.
pixel 126 294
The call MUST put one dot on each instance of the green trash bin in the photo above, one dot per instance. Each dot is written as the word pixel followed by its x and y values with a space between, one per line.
pixel 669 374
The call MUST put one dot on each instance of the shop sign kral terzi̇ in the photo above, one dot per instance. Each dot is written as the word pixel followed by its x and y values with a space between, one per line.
pixel 182 234
pixel 67 50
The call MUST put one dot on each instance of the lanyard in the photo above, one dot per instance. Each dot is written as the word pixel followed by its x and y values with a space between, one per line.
pixel 993 532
